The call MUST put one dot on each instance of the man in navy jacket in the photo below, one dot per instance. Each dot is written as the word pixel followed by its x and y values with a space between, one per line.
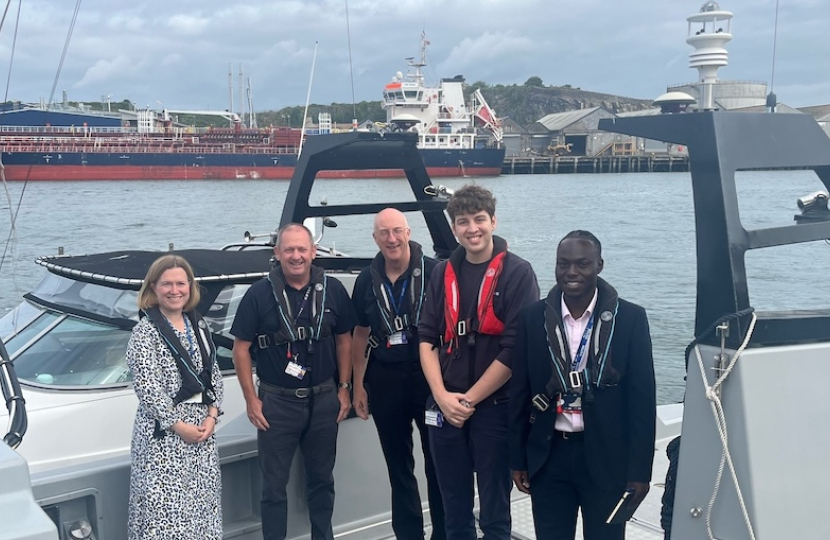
pixel 582 404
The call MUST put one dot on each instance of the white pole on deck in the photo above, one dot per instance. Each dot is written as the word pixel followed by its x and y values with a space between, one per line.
pixel 230 91
pixel 251 116
pixel 307 100
pixel 240 94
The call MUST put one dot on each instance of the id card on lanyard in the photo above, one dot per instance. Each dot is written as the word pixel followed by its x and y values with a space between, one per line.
pixel 571 400
pixel 295 368
pixel 398 337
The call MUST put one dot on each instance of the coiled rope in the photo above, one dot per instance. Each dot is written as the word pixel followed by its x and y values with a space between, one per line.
pixel 712 394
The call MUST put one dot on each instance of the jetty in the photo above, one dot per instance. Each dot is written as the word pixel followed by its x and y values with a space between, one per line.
pixel 594 164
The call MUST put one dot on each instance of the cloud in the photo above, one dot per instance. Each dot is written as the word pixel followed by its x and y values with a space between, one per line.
pixel 188 25
pixel 104 71
pixel 179 51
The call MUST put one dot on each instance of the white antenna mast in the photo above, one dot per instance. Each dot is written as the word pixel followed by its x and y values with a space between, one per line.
pixel 709 31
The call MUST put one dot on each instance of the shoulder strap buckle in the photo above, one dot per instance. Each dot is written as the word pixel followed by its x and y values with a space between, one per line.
pixel 541 402
pixel 398 323
pixel 301 333
pixel 461 328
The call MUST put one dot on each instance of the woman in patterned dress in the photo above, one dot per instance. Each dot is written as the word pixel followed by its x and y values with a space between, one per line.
pixel 175 483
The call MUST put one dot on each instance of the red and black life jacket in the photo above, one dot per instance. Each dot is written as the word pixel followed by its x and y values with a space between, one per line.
pixel 485 320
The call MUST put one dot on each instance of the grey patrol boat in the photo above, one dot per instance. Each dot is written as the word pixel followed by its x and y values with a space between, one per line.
pixel 753 457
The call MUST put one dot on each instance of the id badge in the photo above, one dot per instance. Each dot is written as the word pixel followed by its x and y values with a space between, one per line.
pixel 295 370
pixel 398 338
pixel 572 403
pixel 433 418
pixel 195 398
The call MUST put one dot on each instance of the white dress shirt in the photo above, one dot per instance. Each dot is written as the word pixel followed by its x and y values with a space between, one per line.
pixel 571 421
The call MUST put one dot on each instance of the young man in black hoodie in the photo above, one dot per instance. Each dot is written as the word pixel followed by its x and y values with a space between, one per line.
pixel 467 332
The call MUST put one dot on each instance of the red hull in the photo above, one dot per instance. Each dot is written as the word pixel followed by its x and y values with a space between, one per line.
pixel 81 172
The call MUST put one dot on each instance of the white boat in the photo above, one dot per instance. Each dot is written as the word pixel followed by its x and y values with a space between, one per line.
pixel 68 337
pixel 451 133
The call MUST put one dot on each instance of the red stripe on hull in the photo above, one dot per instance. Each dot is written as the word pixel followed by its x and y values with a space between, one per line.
pixel 81 172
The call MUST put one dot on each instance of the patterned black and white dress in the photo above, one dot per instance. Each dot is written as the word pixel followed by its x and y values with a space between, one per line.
pixel 175 487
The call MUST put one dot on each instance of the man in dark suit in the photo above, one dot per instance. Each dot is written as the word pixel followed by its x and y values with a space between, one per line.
pixel 582 403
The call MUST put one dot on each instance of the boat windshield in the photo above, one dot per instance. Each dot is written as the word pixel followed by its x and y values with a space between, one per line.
pixel 87 297
pixel 64 350
pixel 51 347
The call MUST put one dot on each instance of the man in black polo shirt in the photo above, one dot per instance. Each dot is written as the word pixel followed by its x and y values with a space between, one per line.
pixel 388 299
pixel 296 324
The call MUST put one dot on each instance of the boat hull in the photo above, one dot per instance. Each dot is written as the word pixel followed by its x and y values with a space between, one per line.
pixel 20 166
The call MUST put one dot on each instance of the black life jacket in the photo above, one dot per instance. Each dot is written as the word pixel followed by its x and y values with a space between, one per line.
pixel 485 320
pixel 193 382
pixel 289 331
pixel 389 320
pixel 599 371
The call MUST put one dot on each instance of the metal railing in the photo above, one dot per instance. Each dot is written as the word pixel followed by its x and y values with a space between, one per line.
pixel 13 397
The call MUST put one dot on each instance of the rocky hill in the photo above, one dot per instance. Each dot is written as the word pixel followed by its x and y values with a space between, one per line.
pixel 528 103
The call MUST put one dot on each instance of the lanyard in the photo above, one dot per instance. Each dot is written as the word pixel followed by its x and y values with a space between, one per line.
pixel 294 349
pixel 191 347
pixel 586 335
pixel 396 305
pixel 302 306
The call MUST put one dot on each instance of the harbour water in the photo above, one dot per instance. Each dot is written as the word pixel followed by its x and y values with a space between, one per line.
pixel 645 222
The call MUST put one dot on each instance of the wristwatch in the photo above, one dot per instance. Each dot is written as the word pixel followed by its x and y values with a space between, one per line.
pixel 346 385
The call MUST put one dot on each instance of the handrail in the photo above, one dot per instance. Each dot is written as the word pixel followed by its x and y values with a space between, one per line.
pixel 13 397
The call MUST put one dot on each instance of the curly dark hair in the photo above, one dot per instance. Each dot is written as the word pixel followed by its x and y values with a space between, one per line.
pixel 471 199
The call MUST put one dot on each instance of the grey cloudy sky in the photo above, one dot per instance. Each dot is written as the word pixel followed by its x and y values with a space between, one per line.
pixel 176 52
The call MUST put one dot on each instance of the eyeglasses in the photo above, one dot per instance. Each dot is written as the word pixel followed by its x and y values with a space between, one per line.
pixel 397 231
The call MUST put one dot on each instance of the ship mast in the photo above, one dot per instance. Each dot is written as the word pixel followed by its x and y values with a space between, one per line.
pixel 418 76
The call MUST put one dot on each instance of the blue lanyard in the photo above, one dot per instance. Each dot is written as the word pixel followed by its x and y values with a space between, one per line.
pixel 586 335
pixel 293 347
pixel 302 306
pixel 191 347
pixel 396 305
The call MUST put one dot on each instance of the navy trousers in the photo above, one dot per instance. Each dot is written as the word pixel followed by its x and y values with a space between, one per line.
pixel 397 395
pixel 480 448
pixel 563 486
pixel 311 424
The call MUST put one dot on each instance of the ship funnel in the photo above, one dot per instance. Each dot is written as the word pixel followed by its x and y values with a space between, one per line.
pixel 709 30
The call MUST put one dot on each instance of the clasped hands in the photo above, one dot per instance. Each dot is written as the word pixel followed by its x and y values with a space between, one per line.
pixel 193 433
pixel 456 407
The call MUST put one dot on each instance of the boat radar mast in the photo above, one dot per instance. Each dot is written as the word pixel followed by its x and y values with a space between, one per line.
pixel 709 31
pixel 418 76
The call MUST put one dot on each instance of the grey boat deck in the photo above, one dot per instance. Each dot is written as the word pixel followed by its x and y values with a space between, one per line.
pixel 644 526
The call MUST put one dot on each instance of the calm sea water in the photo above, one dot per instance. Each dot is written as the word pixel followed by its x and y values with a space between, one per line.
pixel 645 222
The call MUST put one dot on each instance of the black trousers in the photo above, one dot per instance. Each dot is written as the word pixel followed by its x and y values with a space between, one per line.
pixel 563 486
pixel 397 395
pixel 477 451
pixel 311 424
